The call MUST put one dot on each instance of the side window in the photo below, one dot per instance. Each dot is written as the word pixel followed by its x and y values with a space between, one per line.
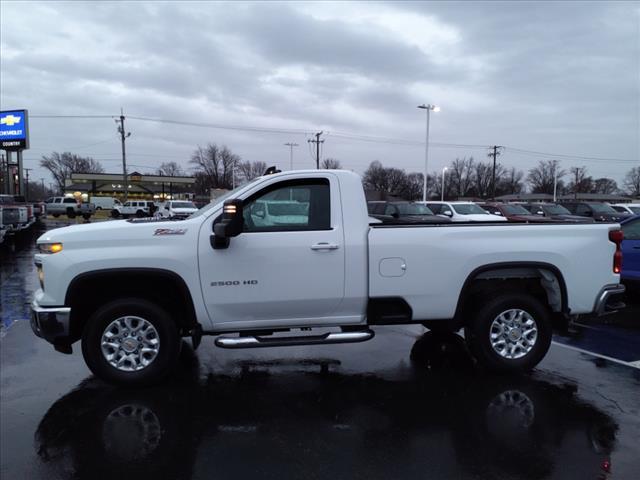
pixel 290 205
pixel 127 204
pixel 436 208
pixel 570 207
pixel 390 210
pixel 69 200
pixel 631 230
pixel 583 210
pixel 379 209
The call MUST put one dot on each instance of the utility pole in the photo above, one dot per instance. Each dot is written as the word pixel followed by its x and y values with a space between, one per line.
pixel 493 175
pixel 44 191
pixel 291 145
pixel 317 141
pixel 26 190
pixel 123 137
pixel 575 184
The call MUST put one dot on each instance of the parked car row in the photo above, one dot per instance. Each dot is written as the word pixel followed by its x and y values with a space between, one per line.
pixel 439 212
pixel 17 215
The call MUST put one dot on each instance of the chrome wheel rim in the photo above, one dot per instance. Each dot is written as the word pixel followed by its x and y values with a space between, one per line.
pixel 513 333
pixel 130 343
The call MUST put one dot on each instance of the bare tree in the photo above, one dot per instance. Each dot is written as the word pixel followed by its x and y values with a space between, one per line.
pixel 541 177
pixel 605 185
pixel 250 170
pixel 632 182
pixel 510 182
pixel 170 169
pixel 581 183
pixel 331 164
pixel 461 175
pixel 216 164
pixel 483 179
pixel 412 188
pixel 435 181
pixel 62 165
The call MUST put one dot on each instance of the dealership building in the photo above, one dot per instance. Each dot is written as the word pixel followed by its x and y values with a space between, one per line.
pixel 143 187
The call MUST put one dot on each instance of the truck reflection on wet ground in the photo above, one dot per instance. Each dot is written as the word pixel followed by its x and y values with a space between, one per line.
pixel 442 418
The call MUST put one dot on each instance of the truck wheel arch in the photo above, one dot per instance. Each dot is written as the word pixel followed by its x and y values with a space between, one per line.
pixel 88 291
pixel 551 280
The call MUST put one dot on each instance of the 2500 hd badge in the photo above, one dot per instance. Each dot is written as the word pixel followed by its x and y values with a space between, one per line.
pixel 234 283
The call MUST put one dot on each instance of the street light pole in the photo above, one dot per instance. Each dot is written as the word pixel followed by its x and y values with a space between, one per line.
pixel 291 145
pixel 428 108
pixel 442 191
pixel 555 180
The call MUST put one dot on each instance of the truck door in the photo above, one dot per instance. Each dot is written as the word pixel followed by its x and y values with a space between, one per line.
pixel 287 265
pixel 631 250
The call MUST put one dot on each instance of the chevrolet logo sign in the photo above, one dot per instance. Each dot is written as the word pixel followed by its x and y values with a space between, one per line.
pixel 10 120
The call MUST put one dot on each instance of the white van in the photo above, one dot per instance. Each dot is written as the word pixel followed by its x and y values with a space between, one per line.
pixel 105 203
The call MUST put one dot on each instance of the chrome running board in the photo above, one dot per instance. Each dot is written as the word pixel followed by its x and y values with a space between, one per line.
pixel 325 339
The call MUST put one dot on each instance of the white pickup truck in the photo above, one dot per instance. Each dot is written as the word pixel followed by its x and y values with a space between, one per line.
pixel 129 290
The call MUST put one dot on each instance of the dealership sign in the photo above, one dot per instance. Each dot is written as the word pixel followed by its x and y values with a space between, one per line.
pixel 14 130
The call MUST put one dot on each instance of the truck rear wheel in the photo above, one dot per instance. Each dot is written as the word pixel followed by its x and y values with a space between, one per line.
pixel 512 332
pixel 71 213
pixel 115 213
pixel 131 341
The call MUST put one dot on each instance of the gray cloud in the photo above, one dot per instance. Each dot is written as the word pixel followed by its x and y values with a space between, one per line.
pixel 561 77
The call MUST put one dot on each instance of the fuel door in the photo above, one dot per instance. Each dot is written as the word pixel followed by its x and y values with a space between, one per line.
pixel 392 267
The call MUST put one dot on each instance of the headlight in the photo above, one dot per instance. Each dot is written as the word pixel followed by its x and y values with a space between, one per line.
pixel 40 275
pixel 50 247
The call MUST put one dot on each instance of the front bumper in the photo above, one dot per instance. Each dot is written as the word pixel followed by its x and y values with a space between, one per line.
pixel 51 323
pixel 608 300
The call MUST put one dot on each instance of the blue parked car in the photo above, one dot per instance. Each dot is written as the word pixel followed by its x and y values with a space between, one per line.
pixel 631 250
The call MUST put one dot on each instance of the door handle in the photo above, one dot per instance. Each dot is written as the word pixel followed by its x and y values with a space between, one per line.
pixel 324 246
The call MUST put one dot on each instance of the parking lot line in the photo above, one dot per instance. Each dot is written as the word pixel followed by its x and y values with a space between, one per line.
pixel 635 364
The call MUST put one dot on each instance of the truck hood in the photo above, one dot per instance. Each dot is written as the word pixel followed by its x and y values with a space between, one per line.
pixel 116 232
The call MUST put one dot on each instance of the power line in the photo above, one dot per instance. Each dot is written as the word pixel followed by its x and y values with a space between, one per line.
pixel 345 135
pixel 221 127
pixel 72 116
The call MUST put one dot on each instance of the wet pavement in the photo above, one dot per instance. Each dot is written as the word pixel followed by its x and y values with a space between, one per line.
pixel 407 404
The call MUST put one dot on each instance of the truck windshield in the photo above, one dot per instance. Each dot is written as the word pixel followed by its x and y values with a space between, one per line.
pixel 230 194
pixel 601 208
pixel 413 209
pixel 516 210
pixel 556 210
pixel 183 205
pixel 469 209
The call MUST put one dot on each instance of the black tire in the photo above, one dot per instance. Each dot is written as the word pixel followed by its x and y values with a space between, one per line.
pixel 55 215
pixel 139 214
pixel 98 208
pixel 86 216
pixel 169 342
pixel 115 213
pixel 477 333
pixel 71 213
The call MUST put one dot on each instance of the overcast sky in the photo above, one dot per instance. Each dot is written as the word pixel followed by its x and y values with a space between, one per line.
pixel 544 76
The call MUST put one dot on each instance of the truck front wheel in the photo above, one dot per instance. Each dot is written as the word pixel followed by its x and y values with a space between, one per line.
pixel 131 341
pixel 512 332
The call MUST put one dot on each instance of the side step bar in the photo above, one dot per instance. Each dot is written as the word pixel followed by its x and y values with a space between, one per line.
pixel 327 338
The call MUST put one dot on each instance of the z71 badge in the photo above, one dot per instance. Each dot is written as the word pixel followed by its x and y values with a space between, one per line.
pixel 170 231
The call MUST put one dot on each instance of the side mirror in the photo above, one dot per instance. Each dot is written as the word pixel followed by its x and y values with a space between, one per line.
pixel 395 215
pixel 230 225
pixel 448 213
pixel 166 208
